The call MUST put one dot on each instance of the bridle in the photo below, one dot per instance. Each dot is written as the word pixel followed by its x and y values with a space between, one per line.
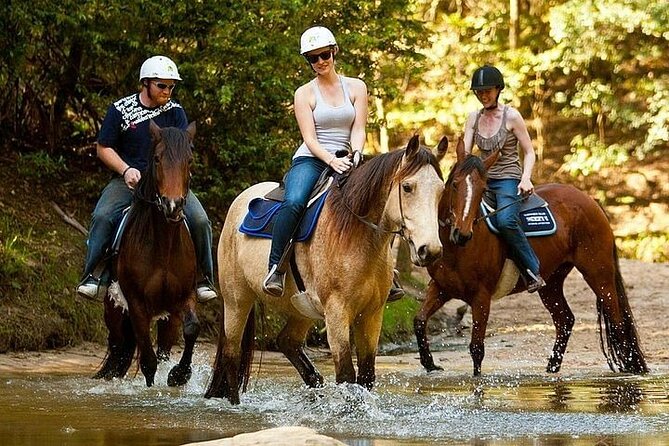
pixel 159 201
pixel 451 214
pixel 379 228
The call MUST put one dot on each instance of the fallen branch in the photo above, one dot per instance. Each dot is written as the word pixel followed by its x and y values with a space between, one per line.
pixel 68 219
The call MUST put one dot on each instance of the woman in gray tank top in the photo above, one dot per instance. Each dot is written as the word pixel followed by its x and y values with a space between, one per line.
pixel 331 112
pixel 501 127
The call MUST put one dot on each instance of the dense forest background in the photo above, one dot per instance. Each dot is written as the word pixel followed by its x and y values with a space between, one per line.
pixel 600 63
pixel 591 78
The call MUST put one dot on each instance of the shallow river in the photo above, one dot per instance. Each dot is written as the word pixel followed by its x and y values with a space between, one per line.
pixel 408 407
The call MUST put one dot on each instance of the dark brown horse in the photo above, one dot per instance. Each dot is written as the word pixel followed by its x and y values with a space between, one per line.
pixel 155 267
pixel 474 260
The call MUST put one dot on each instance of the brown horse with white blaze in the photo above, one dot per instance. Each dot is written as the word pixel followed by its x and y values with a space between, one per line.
pixel 474 259
pixel 346 267
pixel 155 267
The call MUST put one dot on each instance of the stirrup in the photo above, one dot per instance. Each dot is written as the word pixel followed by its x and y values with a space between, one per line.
pixel 534 282
pixel 274 282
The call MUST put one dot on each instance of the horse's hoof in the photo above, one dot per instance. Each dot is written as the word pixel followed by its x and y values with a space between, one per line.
pixel 553 368
pixel 433 368
pixel 179 376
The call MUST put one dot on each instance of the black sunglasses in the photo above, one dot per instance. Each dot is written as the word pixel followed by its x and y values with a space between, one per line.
pixel 164 86
pixel 313 58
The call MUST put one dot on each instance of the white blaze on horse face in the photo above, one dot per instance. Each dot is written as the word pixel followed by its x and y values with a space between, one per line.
pixel 468 197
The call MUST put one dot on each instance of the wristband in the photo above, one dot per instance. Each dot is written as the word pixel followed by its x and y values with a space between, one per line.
pixel 126 169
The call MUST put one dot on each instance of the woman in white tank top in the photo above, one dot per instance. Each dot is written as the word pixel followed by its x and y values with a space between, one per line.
pixel 331 112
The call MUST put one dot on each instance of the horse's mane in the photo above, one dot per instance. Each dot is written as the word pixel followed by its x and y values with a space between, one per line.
pixel 470 163
pixel 176 149
pixel 369 184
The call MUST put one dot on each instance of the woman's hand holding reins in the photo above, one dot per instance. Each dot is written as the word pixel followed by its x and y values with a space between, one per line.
pixel 340 165
pixel 525 187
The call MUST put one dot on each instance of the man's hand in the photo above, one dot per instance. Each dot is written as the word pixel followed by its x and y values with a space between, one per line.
pixel 132 177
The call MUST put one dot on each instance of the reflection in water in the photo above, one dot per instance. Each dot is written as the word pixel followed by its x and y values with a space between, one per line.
pixel 620 396
pixel 559 399
pixel 408 407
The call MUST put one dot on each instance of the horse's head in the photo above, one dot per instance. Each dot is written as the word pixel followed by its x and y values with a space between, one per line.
pixel 464 191
pixel 413 203
pixel 169 168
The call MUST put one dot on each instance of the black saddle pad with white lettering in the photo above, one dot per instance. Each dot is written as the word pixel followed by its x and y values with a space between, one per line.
pixel 536 218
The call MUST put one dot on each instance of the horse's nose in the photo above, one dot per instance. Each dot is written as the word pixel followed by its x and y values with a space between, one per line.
pixel 428 254
pixel 173 208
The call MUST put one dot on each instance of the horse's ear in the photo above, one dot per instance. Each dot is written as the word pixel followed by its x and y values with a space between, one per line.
pixel 488 162
pixel 155 131
pixel 190 131
pixel 442 148
pixel 460 149
pixel 412 147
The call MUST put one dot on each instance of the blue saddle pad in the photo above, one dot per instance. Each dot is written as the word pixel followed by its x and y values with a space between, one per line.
pixel 259 220
pixel 535 222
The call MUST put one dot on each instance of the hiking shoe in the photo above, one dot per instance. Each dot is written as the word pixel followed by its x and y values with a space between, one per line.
pixel 274 282
pixel 535 283
pixel 205 293
pixel 91 289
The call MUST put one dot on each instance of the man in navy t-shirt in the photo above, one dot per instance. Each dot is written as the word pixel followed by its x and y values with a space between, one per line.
pixel 123 145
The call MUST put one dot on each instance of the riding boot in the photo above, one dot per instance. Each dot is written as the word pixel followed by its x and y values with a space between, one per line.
pixel 274 282
pixel 396 291
pixel 533 281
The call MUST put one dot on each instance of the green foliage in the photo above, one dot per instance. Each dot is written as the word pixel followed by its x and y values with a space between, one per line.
pixel 588 155
pixel 398 320
pixel 240 63
pixel 40 164
pixel 36 295
pixel 648 246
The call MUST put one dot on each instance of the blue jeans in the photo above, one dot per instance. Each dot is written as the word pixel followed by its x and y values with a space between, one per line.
pixel 508 224
pixel 299 182
pixel 108 212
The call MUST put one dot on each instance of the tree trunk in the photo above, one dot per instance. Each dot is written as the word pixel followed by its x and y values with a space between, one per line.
pixel 513 24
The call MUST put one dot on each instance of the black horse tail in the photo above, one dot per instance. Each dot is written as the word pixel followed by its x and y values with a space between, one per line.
pixel 228 378
pixel 248 343
pixel 623 352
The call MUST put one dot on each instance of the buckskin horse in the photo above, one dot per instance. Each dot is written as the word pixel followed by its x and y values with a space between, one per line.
pixel 473 261
pixel 155 267
pixel 346 267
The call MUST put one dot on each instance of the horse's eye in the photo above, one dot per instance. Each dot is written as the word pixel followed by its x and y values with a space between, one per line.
pixel 156 159
pixel 406 187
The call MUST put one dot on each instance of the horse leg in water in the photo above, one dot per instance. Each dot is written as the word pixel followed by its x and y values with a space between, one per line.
pixel 480 313
pixel 141 320
pixel 338 330
pixel 552 296
pixel 366 332
pixel 291 343
pixel 181 373
pixel 120 343
pixel 436 298
pixel 168 333
pixel 234 340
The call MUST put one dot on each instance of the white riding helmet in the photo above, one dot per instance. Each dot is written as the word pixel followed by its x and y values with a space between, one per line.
pixel 316 37
pixel 159 67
